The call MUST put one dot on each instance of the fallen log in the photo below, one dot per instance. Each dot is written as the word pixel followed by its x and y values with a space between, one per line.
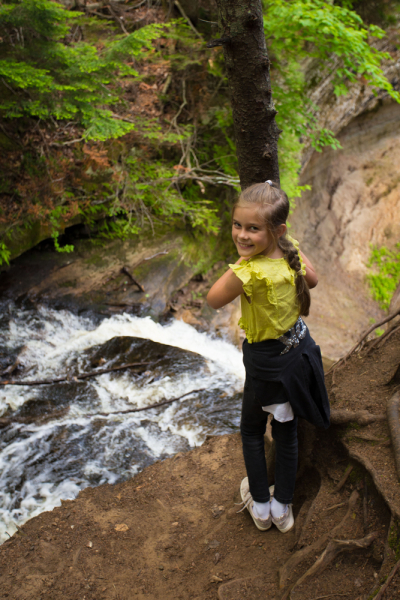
pixel 4 421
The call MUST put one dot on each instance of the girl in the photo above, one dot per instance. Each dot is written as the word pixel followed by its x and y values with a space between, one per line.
pixel 284 374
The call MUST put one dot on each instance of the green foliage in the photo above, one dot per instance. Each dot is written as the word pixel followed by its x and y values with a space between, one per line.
pixel 4 254
pixel 384 281
pixel 141 181
pixel 336 40
pixel 46 76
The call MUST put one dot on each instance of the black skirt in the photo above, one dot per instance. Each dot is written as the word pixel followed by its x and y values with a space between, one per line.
pixel 296 377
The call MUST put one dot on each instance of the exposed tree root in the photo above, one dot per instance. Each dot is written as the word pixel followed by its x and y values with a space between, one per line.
pixel 344 478
pixel 387 582
pixel 287 569
pixel 394 427
pixel 375 477
pixel 334 548
pixel 359 344
pixel 388 334
pixel 362 417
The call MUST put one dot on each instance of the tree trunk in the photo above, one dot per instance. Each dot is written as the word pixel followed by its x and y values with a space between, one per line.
pixel 247 63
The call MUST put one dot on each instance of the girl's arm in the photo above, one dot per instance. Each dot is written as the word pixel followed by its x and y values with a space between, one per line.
pixel 225 289
pixel 310 276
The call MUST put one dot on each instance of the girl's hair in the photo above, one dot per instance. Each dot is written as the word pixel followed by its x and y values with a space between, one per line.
pixel 274 209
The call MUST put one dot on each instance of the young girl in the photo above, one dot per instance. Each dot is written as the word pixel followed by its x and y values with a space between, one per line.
pixel 284 374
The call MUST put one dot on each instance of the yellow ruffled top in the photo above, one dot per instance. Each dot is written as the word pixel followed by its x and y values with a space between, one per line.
pixel 269 303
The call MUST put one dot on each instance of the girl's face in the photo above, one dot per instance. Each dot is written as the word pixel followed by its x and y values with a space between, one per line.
pixel 250 233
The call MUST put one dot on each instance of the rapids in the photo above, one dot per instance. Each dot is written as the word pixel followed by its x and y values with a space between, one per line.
pixel 64 445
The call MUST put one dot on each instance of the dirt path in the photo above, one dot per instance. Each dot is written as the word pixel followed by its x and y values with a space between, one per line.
pixel 173 531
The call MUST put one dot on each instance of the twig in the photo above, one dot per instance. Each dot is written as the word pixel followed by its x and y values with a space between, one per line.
pixel 344 478
pixel 126 272
pixel 118 19
pixel 330 596
pixel 66 143
pixel 387 582
pixel 76 377
pixel 189 22
pixel 158 254
pixel 335 506
pixel 156 405
pixel 394 427
pixel 362 338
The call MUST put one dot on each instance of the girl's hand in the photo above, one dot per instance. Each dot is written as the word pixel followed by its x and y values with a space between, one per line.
pixel 310 276
pixel 225 289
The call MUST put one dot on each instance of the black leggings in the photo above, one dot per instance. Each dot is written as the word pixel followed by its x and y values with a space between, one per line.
pixel 252 429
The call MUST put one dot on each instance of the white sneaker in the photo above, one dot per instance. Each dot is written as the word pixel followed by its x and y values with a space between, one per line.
pixel 286 521
pixel 247 500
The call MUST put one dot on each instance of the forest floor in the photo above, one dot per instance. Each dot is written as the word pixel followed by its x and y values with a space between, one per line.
pixel 173 531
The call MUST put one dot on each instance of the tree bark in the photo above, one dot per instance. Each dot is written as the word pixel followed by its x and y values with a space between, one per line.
pixel 256 133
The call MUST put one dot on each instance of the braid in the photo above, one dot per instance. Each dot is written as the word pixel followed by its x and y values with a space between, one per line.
pixel 292 256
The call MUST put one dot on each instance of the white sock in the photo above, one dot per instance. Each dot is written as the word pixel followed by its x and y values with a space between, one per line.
pixel 261 509
pixel 277 509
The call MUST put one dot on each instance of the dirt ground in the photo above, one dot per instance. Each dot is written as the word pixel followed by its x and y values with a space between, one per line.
pixel 173 531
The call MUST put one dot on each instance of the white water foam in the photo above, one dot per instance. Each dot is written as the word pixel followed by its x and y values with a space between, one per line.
pixel 43 462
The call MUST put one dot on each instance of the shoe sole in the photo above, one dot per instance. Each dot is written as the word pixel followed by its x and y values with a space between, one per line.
pixel 242 495
pixel 290 525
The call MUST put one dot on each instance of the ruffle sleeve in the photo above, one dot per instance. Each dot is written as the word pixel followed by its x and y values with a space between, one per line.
pixel 296 245
pixel 249 272
pixel 243 272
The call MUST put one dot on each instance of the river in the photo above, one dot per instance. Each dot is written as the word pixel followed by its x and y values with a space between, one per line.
pixel 64 444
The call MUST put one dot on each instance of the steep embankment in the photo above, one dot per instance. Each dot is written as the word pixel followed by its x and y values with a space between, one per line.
pixel 354 202
pixel 173 531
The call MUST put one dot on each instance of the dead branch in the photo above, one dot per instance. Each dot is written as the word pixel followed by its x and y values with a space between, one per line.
pixel 125 271
pixel 288 568
pixel 117 19
pixel 157 254
pixel 189 22
pixel 156 405
pixel 385 586
pixel 362 338
pixel 334 548
pixel 362 417
pixel 77 377
pixel 394 427
pixel 335 506
pixel 344 478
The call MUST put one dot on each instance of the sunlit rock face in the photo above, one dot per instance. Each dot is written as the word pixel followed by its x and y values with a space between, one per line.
pixel 354 202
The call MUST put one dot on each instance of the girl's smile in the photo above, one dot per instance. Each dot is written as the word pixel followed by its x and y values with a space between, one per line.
pixel 250 233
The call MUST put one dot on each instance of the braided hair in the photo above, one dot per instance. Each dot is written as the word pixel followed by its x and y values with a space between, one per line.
pixel 274 209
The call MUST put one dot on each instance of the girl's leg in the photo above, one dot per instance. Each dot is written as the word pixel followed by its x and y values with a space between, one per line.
pixel 285 436
pixel 252 429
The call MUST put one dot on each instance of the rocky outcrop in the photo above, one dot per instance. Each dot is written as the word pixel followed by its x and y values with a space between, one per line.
pixel 354 202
